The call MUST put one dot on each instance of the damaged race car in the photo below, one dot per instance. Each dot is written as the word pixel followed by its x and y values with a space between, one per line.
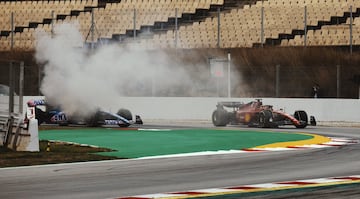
pixel 51 115
pixel 255 114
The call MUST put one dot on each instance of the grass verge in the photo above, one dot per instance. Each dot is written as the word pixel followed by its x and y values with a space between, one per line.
pixel 51 154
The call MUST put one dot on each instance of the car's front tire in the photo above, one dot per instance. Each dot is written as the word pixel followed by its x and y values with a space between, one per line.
pixel 302 117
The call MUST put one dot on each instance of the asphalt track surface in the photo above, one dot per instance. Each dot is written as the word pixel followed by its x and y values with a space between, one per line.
pixel 111 179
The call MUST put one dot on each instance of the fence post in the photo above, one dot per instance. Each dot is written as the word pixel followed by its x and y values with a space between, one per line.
pixel 92 29
pixel 134 24
pixel 338 68
pixel 218 28
pixel 229 75
pixel 351 29
pixel 21 88
pixel 262 27
pixel 305 26
pixel 277 81
pixel 11 87
pixel 12 31
pixel 176 28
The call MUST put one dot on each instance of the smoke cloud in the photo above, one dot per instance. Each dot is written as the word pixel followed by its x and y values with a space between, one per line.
pixel 79 80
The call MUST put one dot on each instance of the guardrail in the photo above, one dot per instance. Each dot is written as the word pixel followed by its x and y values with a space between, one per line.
pixel 5 124
pixel 8 124
pixel 17 134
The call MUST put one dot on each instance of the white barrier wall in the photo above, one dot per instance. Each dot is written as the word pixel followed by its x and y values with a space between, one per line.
pixel 326 110
pixel 186 108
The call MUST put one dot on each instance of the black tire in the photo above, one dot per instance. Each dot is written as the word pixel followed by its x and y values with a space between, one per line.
pixel 92 121
pixel 40 116
pixel 220 117
pixel 302 117
pixel 265 119
pixel 312 121
pixel 64 124
pixel 125 113
pixel 124 125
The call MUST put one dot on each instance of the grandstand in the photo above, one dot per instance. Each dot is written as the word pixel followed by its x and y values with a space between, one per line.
pixel 244 23
pixel 195 30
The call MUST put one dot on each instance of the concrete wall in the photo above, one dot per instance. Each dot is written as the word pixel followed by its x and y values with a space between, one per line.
pixel 185 108
pixel 326 110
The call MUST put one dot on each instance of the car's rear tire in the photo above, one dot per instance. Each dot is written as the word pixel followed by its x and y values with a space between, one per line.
pixel 40 116
pixel 265 119
pixel 93 120
pixel 302 117
pixel 125 113
pixel 220 117
pixel 64 124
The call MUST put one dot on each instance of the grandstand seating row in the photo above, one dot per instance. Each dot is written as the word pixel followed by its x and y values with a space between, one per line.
pixel 239 27
pixel 35 11
pixel 247 21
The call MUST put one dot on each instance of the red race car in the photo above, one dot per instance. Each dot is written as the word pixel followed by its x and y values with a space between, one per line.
pixel 255 114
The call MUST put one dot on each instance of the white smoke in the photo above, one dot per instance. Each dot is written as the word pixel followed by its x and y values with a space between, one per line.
pixel 78 79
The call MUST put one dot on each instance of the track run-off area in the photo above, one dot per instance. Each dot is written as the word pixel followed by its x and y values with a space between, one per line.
pixel 154 143
pixel 191 161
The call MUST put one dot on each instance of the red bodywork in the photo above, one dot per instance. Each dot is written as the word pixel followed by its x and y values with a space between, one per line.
pixel 250 114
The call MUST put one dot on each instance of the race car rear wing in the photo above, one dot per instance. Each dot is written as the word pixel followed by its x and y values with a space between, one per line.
pixel 238 104
pixel 230 104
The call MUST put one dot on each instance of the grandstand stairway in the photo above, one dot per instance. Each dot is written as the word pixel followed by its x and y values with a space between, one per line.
pixel 184 19
pixel 334 20
pixel 33 24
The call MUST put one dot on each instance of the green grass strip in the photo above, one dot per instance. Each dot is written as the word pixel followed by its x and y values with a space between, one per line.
pixel 136 143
